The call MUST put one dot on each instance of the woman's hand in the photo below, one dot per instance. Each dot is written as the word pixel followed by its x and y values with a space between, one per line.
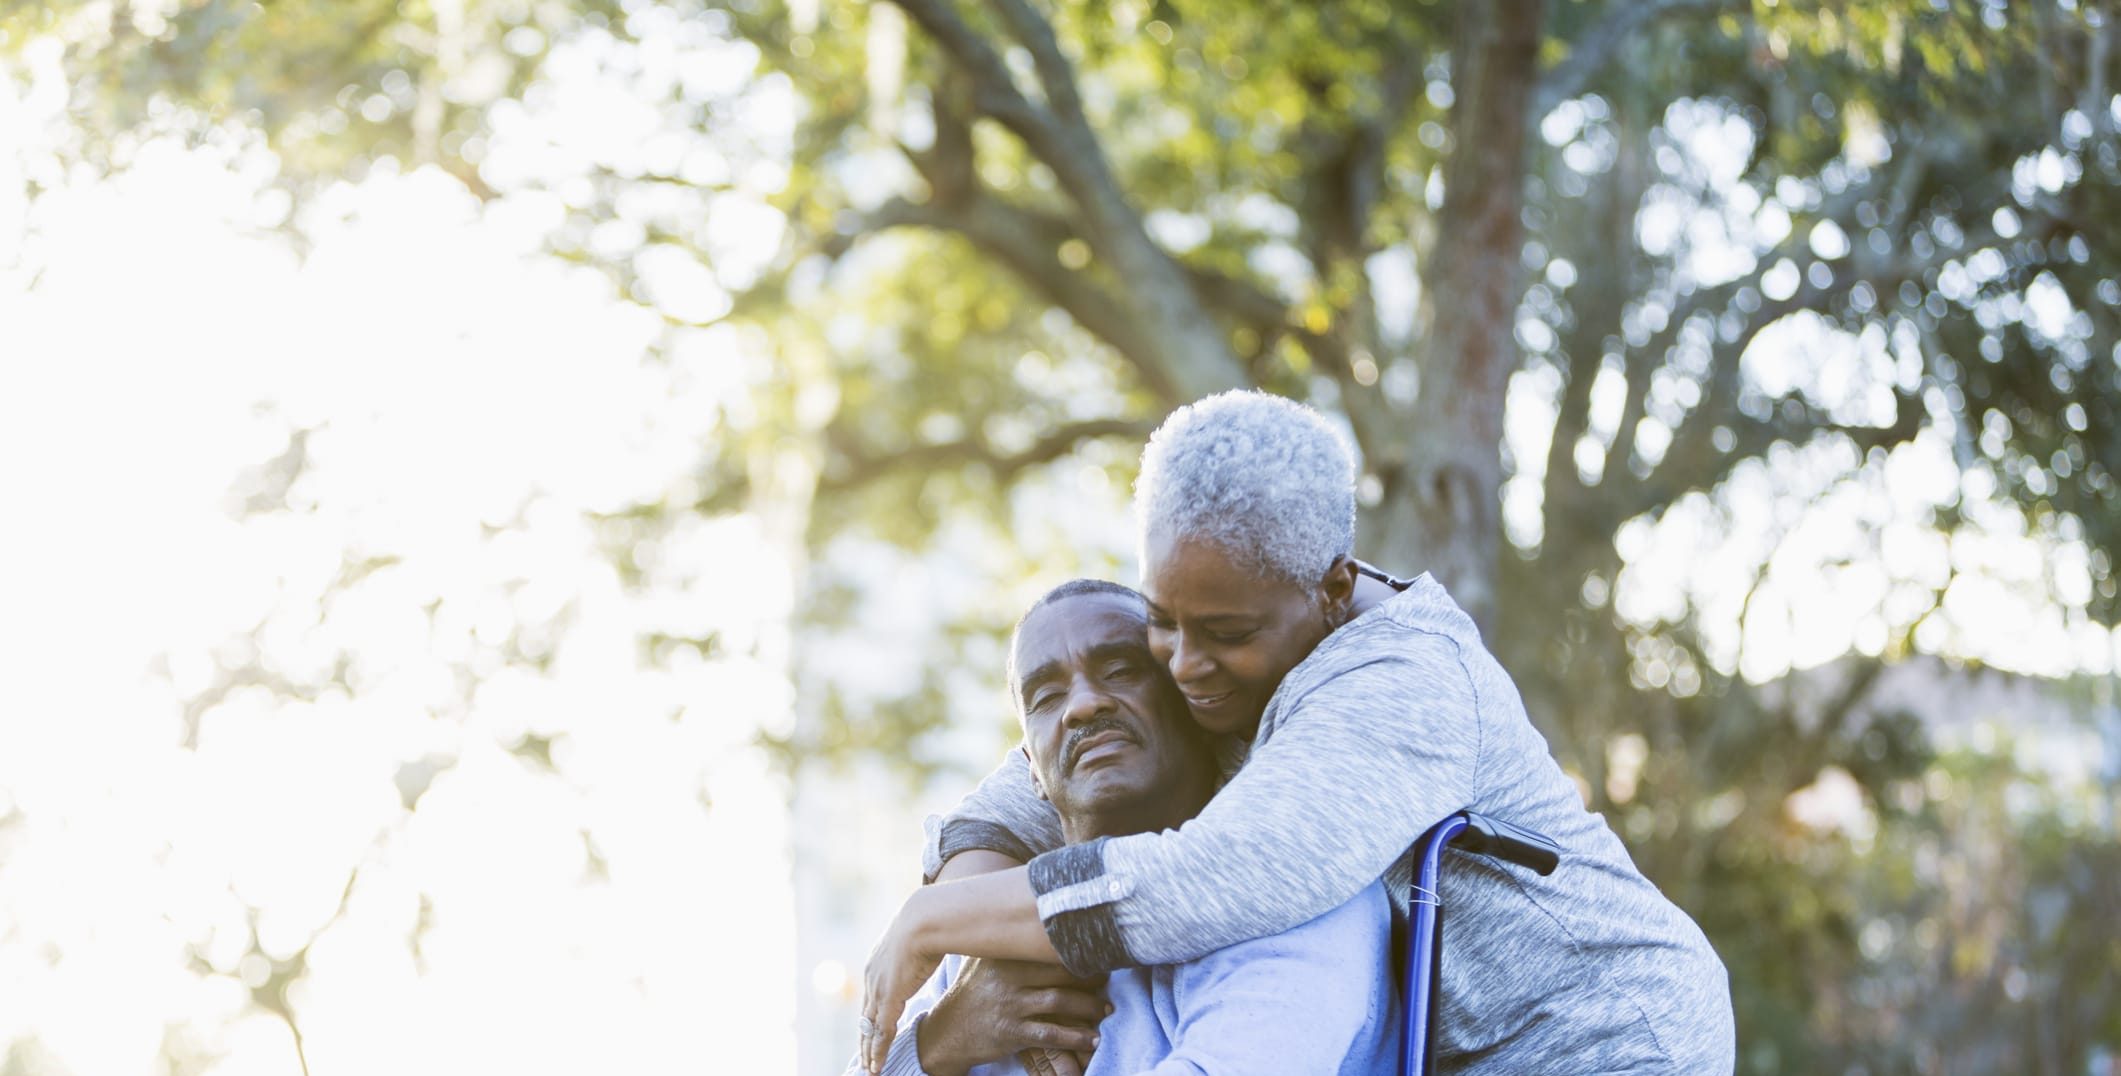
pixel 897 967
pixel 996 1008
pixel 992 915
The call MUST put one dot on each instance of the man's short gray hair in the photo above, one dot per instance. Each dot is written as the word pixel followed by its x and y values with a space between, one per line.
pixel 1267 480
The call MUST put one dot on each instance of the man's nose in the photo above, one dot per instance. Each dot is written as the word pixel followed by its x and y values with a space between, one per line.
pixel 1086 700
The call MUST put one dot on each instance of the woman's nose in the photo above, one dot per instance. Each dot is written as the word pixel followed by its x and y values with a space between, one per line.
pixel 1188 664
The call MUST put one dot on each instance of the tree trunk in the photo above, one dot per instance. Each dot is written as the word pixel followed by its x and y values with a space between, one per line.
pixel 1442 507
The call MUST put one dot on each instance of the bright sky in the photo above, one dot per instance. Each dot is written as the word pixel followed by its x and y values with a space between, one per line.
pixel 470 406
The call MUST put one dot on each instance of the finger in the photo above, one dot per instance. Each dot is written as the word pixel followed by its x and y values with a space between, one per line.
pixel 886 1029
pixel 876 1026
pixel 874 1050
pixel 1051 1063
pixel 872 1054
pixel 1060 1036
pixel 1070 1007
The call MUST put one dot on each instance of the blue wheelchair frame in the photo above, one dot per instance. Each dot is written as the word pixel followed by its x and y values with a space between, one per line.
pixel 1474 833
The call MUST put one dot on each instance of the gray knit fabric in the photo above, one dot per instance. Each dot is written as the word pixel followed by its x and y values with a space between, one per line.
pixel 1393 723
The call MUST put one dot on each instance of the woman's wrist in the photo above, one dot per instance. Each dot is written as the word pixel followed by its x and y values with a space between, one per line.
pixel 922 925
pixel 989 915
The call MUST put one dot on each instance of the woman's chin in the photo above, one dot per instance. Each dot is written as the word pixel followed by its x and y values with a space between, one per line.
pixel 1228 717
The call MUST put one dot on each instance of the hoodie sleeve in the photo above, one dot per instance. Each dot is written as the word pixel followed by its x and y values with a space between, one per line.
pixel 1004 814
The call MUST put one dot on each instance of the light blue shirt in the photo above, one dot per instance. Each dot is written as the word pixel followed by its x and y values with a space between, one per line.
pixel 1317 1000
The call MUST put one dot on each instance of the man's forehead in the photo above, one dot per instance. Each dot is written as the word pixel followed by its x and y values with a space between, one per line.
pixel 1084 620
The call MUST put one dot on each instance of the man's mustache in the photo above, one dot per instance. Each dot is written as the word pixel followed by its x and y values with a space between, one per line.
pixel 1074 747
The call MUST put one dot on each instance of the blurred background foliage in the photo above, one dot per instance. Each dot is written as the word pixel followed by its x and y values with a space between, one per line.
pixel 1616 299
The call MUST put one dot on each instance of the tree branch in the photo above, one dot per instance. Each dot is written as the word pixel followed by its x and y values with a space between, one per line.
pixel 947 164
pixel 1055 75
pixel 2093 103
pixel 1253 307
pixel 1639 367
pixel 1563 487
pixel 611 175
pixel 993 91
pixel 1834 717
pixel 1240 300
pixel 1067 143
pixel 1692 460
pixel 1026 242
pixel 1599 305
pixel 1341 192
pixel 1348 175
pixel 1597 47
pixel 1057 135
pixel 854 468
pixel 1692 441
pixel 1189 352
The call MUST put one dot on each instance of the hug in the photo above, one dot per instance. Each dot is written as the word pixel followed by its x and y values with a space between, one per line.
pixel 1220 780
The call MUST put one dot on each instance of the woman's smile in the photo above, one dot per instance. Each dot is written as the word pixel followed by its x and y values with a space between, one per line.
pixel 1228 632
pixel 1207 702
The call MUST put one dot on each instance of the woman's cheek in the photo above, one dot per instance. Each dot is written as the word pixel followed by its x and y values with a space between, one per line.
pixel 1241 665
pixel 1160 647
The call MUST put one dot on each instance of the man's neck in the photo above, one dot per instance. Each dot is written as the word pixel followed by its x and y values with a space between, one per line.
pixel 1162 813
pixel 1084 830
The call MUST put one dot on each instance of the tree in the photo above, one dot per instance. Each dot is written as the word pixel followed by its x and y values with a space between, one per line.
pixel 1696 248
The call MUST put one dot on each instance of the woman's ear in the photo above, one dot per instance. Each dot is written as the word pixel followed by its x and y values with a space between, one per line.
pixel 1337 588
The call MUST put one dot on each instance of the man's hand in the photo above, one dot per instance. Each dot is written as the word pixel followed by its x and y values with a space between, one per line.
pixel 1053 1062
pixel 996 1008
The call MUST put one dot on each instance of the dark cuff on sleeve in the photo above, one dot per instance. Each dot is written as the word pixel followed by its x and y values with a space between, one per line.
pixel 968 834
pixel 1087 939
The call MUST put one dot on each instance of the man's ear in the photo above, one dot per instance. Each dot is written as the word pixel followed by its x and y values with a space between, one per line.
pixel 1039 786
pixel 1337 588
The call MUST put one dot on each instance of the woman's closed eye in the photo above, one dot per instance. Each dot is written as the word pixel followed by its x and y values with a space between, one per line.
pixel 1232 636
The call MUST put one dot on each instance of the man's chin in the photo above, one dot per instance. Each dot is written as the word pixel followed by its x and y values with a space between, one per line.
pixel 1108 785
pixel 1108 753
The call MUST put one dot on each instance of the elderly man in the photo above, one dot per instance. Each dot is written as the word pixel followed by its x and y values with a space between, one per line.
pixel 1111 748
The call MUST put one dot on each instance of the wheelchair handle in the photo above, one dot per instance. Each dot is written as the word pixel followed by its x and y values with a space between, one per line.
pixel 1511 844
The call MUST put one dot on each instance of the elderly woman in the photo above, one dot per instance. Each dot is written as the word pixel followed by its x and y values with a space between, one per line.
pixel 1364 726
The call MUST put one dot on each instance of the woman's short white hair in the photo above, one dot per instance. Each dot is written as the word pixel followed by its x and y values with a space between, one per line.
pixel 1267 480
